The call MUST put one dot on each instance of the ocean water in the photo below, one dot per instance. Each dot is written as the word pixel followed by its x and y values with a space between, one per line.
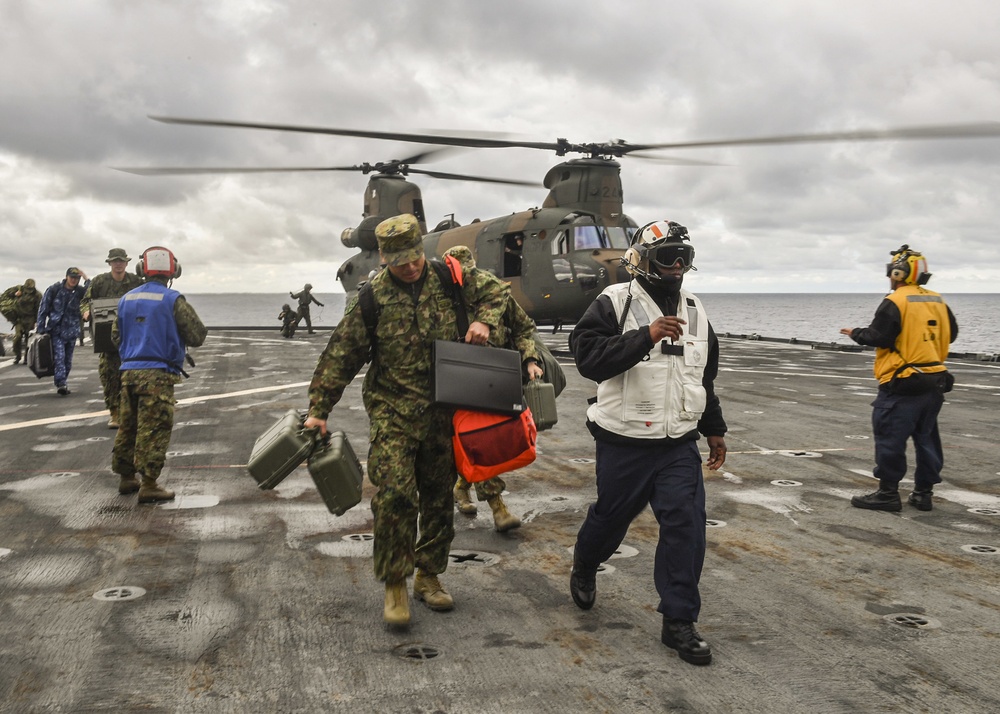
pixel 816 317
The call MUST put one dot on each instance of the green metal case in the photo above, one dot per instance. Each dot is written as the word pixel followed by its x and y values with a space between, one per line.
pixel 337 473
pixel 279 450
pixel 541 400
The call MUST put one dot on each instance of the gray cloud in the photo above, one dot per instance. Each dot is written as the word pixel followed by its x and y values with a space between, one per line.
pixel 81 77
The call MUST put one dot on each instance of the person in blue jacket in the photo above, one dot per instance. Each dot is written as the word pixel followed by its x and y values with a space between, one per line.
pixel 59 316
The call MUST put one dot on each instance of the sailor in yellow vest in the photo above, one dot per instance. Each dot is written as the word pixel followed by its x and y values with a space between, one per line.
pixel 911 332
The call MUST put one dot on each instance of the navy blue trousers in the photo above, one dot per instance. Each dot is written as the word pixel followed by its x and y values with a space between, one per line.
pixel 898 417
pixel 670 482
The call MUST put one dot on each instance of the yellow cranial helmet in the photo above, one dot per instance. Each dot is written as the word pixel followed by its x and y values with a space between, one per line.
pixel 907 266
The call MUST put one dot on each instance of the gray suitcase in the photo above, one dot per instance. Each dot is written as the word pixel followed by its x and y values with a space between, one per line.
pixel 279 450
pixel 103 312
pixel 337 473
pixel 541 400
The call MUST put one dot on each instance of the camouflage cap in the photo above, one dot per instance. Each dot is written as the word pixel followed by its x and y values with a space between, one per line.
pixel 463 255
pixel 29 283
pixel 117 254
pixel 399 240
pixel 73 273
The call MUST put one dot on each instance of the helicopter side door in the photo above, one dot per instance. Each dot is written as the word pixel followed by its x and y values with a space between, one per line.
pixel 559 285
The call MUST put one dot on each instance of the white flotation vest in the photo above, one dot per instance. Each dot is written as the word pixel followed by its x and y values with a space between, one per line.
pixel 661 396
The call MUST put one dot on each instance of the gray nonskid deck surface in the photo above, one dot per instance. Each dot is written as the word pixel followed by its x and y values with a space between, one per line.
pixel 263 601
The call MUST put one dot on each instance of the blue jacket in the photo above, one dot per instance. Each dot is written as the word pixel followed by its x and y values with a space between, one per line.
pixel 147 330
pixel 59 311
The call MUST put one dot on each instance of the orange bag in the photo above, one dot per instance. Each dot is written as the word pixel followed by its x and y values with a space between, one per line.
pixel 490 444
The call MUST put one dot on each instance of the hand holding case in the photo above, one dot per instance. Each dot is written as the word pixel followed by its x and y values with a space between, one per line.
pixel 279 450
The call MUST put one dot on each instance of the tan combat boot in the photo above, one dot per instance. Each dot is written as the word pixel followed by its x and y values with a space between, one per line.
pixel 149 492
pixel 503 520
pixel 462 500
pixel 128 484
pixel 397 604
pixel 429 589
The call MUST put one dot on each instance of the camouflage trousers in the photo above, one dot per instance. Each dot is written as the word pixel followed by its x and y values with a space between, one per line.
pixel 21 337
pixel 109 368
pixel 62 359
pixel 485 490
pixel 145 418
pixel 414 478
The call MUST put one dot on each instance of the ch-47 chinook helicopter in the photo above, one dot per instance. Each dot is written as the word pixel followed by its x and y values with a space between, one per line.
pixel 559 257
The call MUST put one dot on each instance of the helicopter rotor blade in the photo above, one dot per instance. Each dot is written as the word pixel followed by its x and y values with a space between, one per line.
pixel 675 160
pixel 939 131
pixel 192 171
pixel 438 139
pixel 619 148
pixel 465 177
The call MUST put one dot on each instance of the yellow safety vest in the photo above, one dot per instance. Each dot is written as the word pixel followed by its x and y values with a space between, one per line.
pixel 924 338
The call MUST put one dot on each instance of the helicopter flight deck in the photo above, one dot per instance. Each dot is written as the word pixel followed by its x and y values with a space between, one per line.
pixel 233 599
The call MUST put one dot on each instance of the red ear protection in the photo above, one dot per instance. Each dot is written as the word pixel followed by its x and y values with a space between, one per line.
pixel 158 261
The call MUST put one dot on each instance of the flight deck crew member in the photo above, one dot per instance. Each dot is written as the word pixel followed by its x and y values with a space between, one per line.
pixel 59 316
pixel 305 297
pixel 153 329
pixel 21 305
pixel 911 331
pixel 410 458
pixel 515 331
pixel 649 346
pixel 112 284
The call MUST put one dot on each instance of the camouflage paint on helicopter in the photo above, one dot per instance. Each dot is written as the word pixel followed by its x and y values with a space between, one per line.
pixel 557 258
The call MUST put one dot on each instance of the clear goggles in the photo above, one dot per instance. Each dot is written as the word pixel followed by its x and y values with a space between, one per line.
pixel 666 255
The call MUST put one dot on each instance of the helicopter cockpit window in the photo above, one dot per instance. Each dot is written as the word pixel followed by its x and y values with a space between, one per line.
pixel 587 238
pixel 591 237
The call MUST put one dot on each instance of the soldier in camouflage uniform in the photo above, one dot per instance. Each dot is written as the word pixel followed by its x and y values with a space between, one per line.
pixel 153 329
pixel 410 458
pixel 21 307
pixel 515 331
pixel 305 297
pixel 113 284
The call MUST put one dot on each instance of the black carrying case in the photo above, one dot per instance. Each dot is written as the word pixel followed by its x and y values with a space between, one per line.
pixel 477 377
pixel 336 471
pixel 103 312
pixel 40 359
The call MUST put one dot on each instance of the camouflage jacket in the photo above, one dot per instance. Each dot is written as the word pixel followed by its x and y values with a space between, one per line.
pixel 59 311
pixel 105 286
pixel 399 390
pixel 23 309
pixel 515 330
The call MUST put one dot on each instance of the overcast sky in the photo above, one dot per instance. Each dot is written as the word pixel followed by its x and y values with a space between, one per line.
pixel 79 78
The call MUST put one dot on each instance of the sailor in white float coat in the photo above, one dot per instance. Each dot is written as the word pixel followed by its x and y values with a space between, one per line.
pixel 649 346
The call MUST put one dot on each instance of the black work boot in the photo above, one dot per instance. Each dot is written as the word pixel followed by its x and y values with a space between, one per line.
pixel 681 636
pixel 583 585
pixel 921 499
pixel 885 499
